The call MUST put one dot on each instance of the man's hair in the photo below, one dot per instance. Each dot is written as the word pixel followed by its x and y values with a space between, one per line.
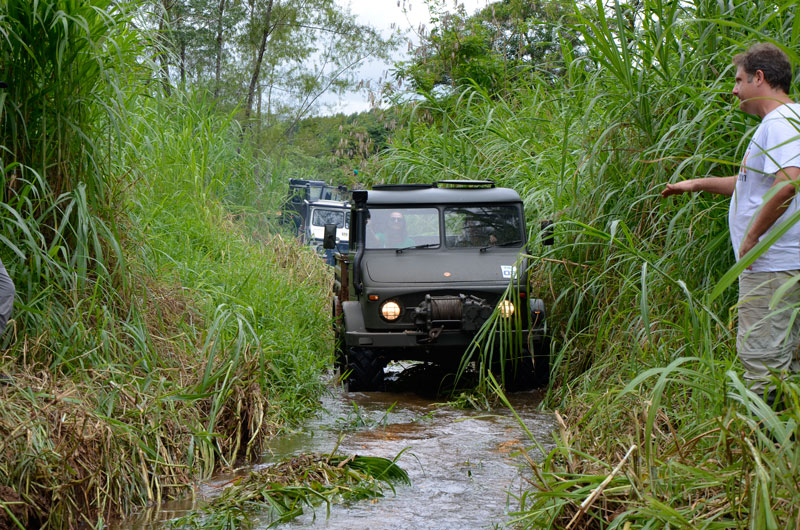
pixel 769 59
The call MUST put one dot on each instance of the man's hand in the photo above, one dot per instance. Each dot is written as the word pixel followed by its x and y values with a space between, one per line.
pixel 684 186
pixel 718 185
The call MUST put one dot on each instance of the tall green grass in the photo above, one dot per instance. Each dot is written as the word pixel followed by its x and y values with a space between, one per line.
pixel 162 330
pixel 643 326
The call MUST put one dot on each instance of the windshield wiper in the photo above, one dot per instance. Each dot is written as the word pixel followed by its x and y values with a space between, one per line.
pixel 506 244
pixel 425 245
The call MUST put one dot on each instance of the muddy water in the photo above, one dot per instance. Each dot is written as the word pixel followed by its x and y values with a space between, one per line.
pixel 464 465
pixel 461 463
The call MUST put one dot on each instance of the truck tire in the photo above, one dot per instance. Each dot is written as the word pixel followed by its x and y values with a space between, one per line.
pixel 532 370
pixel 541 362
pixel 366 370
pixel 519 373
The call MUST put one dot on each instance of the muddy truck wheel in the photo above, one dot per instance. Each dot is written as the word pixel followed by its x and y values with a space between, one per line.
pixel 519 373
pixel 532 370
pixel 366 370
pixel 541 362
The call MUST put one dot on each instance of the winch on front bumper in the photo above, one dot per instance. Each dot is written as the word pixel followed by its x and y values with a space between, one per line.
pixel 464 312
pixel 437 322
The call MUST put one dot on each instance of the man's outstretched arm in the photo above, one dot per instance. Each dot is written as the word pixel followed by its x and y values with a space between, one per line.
pixel 718 185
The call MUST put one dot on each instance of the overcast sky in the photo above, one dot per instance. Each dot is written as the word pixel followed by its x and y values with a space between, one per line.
pixel 382 14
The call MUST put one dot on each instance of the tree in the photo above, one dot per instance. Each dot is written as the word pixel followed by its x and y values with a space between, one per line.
pixel 285 51
pixel 492 48
pixel 528 31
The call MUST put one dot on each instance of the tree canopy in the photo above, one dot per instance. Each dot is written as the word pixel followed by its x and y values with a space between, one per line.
pixel 503 42
pixel 272 58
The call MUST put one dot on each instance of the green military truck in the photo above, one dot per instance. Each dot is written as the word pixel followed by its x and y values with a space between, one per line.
pixel 427 266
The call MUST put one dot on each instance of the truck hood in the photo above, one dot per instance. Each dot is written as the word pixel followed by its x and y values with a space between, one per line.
pixel 452 267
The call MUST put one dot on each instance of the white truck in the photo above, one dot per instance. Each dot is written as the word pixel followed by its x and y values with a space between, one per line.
pixel 328 212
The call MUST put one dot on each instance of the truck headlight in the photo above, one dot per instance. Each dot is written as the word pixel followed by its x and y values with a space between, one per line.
pixel 390 310
pixel 506 308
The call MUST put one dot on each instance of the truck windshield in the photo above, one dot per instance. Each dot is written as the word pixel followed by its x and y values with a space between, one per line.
pixel 324 216
pixel 483 226
pixel 402 228
pixel 314 193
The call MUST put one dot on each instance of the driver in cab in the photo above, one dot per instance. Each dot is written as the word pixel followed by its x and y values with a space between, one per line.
pixel 395 234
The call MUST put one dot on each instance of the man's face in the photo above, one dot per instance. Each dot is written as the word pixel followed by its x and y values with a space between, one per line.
pixel 745 88
pixel 396 221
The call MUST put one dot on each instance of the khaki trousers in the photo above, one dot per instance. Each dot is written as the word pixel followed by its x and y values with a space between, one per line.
pixel 767 339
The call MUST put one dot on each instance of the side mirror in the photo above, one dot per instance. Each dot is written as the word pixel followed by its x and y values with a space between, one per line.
pixel 329 239
pixel 548 235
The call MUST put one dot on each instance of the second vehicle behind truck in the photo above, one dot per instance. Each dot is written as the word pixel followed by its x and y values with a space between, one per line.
pixel 322 213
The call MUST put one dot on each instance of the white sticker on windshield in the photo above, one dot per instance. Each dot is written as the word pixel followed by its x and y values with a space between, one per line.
pixel 509 271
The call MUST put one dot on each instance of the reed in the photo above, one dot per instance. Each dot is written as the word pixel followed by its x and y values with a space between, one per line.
pixel 657 428
pixel 162 329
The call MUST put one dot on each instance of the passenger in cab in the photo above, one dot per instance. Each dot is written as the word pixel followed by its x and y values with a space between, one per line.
pixel 395 234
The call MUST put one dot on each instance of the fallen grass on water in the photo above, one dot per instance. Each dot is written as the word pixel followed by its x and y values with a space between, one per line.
pixel 360 419
pixel 280 492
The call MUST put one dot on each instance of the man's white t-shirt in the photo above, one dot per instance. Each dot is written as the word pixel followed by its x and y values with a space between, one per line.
pixel 774 146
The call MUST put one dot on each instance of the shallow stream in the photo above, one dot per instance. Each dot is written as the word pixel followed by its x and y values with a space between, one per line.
pixel 465 465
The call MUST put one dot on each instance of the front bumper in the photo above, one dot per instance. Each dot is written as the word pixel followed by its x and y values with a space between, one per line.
pixel 447 339
pixel 357 335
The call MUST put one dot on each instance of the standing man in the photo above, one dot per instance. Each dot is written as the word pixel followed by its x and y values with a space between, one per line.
pixel 762 195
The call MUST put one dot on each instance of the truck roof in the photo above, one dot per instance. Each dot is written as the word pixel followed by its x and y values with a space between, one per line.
pixel 329 203
pixel 306 182
pixel 438 196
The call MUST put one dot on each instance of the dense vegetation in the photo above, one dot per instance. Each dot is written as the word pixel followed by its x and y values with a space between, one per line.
pixel 657 428
pixel 164 328
pixel 161 329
